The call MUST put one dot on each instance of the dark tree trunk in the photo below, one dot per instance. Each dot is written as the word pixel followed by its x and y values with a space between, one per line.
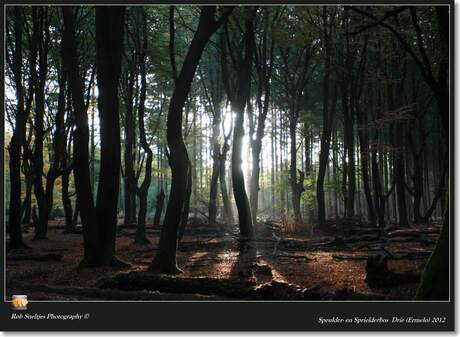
pixel 129 174
pixel 325 141
pixel 59 145
pixel 188 195
pixel 434 285
pixel 228 213
pixel 109 47
pixel 349 155
pixel 99 223
pixel 159 208
pixel 440 192
pixel 296 182
pixel 238 106
pixel 66 202
pixel 364 150
pixel 41 24
pixel 26 208
pixel 418 172
pixel 254 182
pixel 165 260
pixel 435 279
pixel 212 209
pixel 76 212
pixel 18 138
pixel 82 177
pixel 144 188
pixel 264 58
pixel 399 173
pixel 379 199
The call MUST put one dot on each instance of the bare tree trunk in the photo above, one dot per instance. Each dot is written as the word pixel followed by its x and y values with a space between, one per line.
pixel 19 133
pixel 66 203
pixel 82 176
pixel 228 213
pixel 325 140
pixel 212 208
pixel 41 24
pixel 363 135
pixel 159 208
pixel 144 188
pixel 238 106
pixel 129 174
pixel 109 47
pixel 165 260
pixel 99 223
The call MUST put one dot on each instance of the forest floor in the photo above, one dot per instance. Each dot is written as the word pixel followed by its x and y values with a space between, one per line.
pixel 276 266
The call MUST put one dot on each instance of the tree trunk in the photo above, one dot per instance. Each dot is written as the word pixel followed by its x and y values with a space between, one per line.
pixel 216 122
pixel 58 147
pixel 129 176
pixel 159 208
pixel 238 106
pixel 40 24
pixel 188 195
pixel 109 47
pixel 435 280
pixel 325 143
pixel 399 173
pixel 26 208
pixel 18 138
pixel 82 177
pixel 144 188
pixel 296 184
pixel 434 285
pixel 363 135
pixel 254 182
pixel 228 213
pixel 66 203
pixel 165 260
pixel 99 223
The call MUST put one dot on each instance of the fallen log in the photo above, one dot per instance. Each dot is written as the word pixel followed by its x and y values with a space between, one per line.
pixel 182 285
pixel 391 255
pixel 229 288
pixel 412 232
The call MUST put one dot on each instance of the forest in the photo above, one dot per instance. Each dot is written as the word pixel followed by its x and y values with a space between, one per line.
pixel 227 152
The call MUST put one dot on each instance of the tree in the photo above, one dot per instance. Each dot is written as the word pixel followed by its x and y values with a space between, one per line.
pixel 41 34
pixel 328 115
pixel 19 132
pixel 264 62
pixel 165 259
pixel 109 48
pixel 99 222
pixel 142 191
pixel 129 79
pixel 238 91
pixel 296 71
pixel 214 96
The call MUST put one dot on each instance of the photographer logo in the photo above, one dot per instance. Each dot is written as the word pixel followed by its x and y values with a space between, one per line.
pixel 19 302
